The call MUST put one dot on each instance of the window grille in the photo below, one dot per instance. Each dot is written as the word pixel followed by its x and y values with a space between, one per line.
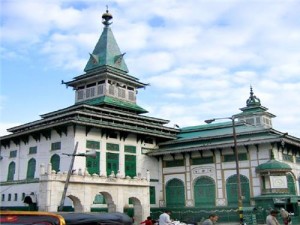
pixel 204 160
pixel 131 95
pixel 121 92
pixel 55 146
pixel 33 150
pixel 112 147
pixel 80 94
pixel 111 90
pixel 101 89
pixel 92 144
pixel 174 163
pixel 130 149
pixel 13 154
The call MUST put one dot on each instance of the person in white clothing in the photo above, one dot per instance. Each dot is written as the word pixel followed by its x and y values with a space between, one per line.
pixel 271 219
pixel 164 219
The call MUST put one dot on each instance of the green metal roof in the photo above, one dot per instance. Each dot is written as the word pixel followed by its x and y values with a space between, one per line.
pixel 106 53
pixel 273 165
pixel 114 102
pixel 215 129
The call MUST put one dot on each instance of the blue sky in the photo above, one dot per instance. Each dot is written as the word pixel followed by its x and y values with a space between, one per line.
pixel 200 57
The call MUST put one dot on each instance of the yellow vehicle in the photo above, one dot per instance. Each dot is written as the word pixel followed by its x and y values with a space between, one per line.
pixel 63 218
pixel 30 217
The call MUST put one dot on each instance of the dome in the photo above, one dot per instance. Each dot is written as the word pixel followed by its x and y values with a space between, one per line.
pixel 273 165
pixel 252 100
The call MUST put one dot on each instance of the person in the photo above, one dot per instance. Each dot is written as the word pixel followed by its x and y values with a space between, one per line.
pixel 212 219
pixel 271 218
pixel 164 219
pixel 285 216
pixel 148 221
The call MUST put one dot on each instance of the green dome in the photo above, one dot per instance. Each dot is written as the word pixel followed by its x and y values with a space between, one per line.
pixel 273 165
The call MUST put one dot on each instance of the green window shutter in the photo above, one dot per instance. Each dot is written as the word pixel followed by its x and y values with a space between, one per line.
pixel 112 162
pixel 174 163
pixel 205 192
pixel 291 184
pixel 232 190
pixel 23 196
pixel 93 164
pixel 93 145
pixel 112 147
pixel 33 150
pixel 231 158
pixel 3 198
pixel 175 196
pixel 31 168
pixel 203 160
pixel 130 165
pixel 16 197
pixel 9 197
pixel 152 195
pixel 130 149
pixel 11 171
pixel 99 199
pixel 55 162
pixel 55 146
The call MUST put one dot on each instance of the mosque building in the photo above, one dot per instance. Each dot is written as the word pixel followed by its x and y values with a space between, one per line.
pixel 103 154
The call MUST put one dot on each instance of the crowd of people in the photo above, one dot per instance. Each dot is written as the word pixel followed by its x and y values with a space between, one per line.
pixel 164 218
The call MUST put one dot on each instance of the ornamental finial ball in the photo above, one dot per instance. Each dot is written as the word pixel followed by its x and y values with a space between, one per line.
pixel 106 17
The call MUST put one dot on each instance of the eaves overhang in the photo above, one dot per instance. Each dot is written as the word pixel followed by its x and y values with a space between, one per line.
pixel 207 146
pixel 105 71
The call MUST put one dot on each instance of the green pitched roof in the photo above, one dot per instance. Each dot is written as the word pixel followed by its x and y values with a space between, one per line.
pixel 106 100
pixel 273 165
pixel 106 52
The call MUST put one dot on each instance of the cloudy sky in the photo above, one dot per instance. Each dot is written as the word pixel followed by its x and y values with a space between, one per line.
pixel 200 57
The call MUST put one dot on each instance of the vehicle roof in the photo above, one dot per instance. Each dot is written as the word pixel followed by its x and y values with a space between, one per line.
pixel 73 218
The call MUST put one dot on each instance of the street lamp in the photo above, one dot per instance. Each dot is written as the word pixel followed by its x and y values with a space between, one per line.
pixel 88 154
pixel 240 197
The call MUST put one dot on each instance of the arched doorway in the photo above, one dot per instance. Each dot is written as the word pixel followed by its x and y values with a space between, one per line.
pixel 291 184
pixel 232 190
pixel 205 192
pixel 175 196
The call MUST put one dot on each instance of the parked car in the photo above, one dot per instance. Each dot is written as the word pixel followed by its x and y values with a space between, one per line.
pixel 63 218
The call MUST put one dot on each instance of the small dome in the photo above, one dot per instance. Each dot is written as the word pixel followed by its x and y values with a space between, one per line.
pixel 253 100
pixel 106 17
pixel 273 165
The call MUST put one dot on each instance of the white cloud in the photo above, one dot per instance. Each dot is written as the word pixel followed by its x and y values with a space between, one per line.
pixel 199 57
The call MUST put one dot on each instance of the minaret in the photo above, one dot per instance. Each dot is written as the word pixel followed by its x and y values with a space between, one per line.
pixel 106 81
pixel 254 113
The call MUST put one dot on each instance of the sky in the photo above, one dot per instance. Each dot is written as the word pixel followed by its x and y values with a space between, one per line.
pixel 199 57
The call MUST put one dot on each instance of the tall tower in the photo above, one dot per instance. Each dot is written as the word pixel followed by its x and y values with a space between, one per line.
pixel 106 81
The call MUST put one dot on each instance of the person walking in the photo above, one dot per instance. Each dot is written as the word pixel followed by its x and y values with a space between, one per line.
pixel 285 216
pixel 271 218
pixel 212 219
pixel 164 219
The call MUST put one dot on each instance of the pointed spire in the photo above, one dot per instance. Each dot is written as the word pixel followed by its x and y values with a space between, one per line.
pixel 106 52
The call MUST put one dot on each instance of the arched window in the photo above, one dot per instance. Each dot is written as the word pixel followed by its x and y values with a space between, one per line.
pixel 31 168
pixel 205 192
pixel 232 190
pixel 11 171
pixel 291 184
pixel 55 162
pixel 175 193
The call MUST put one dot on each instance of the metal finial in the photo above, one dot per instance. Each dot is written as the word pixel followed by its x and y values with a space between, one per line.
pixel 251 91
pixel 106 17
